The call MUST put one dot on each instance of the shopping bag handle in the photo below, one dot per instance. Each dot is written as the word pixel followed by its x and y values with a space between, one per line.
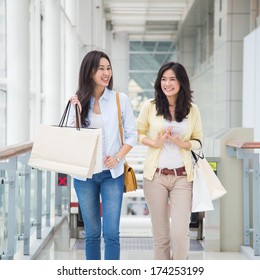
pixel 65 116
pixel 77 117
pixel 198 141
pixel 195 155
pixel 65 113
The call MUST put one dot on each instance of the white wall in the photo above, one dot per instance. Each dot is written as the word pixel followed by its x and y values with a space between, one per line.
pixel 217 81
pixel 251 83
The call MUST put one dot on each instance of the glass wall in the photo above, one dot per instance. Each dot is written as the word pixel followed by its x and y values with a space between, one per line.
pixel 146 57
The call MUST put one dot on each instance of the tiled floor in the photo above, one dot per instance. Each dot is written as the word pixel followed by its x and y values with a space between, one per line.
pixel 62 247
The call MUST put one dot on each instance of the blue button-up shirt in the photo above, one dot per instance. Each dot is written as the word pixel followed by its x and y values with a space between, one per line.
pixel 109 112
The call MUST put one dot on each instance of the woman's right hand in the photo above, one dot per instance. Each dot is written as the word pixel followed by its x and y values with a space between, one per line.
pixel 158 142
pixel 75 101
pixel 161 138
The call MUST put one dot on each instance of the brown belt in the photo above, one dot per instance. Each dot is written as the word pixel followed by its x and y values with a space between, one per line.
pixel 177 171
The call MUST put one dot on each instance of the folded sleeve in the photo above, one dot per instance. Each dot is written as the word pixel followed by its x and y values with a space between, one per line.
pixel 143 122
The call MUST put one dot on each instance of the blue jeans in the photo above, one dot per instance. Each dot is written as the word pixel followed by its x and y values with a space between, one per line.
pixel 111 192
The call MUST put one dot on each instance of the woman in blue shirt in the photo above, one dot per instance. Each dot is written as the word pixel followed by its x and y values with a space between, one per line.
pixel 98 109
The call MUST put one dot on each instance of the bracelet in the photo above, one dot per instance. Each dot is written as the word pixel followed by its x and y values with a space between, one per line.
pixel 117 159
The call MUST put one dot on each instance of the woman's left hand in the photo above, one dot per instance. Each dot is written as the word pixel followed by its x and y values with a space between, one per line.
pixel 175 139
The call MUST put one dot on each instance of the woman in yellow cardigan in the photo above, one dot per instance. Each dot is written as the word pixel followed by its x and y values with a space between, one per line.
pixel 167 124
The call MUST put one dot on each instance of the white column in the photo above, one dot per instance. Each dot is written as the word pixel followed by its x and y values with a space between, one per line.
pixel 85 27
pixel 35 66
pixel 91 26
pixel 71 49
pixel 51 62
pixel 17 71
pixel 120 61
pixel 187 51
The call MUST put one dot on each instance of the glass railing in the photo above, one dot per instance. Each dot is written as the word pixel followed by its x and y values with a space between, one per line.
pixel 31 203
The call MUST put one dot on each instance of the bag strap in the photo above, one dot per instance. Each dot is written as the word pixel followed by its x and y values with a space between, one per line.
pixel 65 116
pixel 119 117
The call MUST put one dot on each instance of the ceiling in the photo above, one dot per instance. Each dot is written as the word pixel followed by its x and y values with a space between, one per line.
pixel 152 28
pixel 146 19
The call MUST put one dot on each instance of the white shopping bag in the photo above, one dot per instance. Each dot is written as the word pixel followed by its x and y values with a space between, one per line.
pixel 201 200
pixel 74 151
pixel 66 150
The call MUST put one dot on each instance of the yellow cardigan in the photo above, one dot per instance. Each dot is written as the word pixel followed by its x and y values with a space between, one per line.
pixel 149 125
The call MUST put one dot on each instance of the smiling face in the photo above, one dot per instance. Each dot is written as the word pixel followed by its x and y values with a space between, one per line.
pixel 169 84
pixel 104 73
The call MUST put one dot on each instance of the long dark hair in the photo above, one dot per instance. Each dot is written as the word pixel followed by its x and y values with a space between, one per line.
pixel 184 99
pixel 88 68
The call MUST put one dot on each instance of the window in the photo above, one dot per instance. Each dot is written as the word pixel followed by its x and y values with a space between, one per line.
pixel 146 57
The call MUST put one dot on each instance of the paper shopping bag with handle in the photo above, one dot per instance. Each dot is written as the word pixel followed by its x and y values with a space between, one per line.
pixel 201 200
pixel 215 187
pixel 69 150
